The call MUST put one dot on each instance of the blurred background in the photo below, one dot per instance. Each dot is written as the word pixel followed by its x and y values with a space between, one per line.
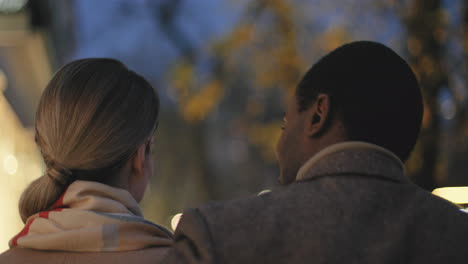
pixel 223 69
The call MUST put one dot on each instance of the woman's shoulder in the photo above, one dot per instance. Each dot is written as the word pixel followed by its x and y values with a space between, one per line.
pixel 27 256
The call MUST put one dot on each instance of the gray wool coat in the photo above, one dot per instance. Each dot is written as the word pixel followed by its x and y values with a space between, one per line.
pixel 31 256
pixel 353 206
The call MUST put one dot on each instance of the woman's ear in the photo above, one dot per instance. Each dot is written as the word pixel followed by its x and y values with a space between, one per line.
pixel 318 116
pixel 138 162
pixel 140 172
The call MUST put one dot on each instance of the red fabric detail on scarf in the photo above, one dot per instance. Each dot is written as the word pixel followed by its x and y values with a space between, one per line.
pixel 23 232
pixel 59 202
pixel 44 214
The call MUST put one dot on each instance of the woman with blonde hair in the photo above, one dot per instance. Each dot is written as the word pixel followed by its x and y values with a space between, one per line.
pixel 94 127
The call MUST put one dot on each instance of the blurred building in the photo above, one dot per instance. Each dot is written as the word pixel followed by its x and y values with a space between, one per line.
pixel 25 68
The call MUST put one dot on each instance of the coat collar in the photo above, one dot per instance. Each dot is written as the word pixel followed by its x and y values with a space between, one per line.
pixel 354 157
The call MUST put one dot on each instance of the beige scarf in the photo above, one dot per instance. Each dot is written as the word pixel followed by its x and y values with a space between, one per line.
pixel 92 217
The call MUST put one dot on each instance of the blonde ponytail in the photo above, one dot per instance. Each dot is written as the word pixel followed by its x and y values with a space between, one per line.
pixel 92 116
pixel 39 196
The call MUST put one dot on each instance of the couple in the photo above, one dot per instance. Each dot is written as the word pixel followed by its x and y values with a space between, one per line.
pixel 351 124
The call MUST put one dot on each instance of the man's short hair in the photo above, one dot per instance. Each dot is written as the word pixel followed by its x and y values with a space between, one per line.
pixel 373 91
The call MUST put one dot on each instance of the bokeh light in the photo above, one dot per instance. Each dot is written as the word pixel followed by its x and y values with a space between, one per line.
pixel 175 221
pixel 10 164
pixel 12 6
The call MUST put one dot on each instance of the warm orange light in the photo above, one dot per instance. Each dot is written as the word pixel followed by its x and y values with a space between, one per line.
pixel 175 221
pixel 456 195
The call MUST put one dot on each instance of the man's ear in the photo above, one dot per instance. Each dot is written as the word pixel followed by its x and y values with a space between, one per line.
pixel 318 116
pixel 138 161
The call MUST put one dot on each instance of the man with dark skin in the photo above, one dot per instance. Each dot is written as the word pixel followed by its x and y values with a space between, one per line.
pixel 348 129
pixel 298 141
